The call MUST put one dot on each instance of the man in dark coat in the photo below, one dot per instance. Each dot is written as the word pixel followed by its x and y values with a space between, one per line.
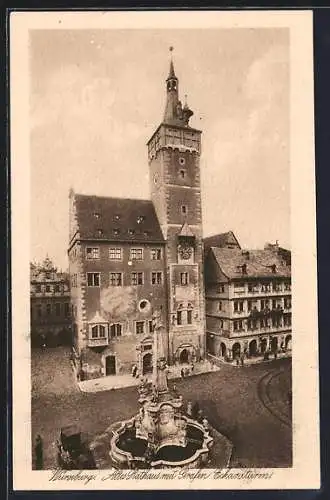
pixel 39 453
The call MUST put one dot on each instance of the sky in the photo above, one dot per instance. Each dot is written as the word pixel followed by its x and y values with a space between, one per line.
pixel 96 97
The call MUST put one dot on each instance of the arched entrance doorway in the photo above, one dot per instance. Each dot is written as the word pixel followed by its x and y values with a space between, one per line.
pixel 223 349
pixel 184 356
pixel 274 344
pixel 110 365
pixel 263 345
pixel 253 348
pixel 288 342
pixel 147 363
pixel 236 350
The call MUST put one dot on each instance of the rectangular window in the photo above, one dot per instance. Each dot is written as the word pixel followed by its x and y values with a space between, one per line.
pixel 38 288
pixel 252 287
pixel 189 316
pixel 220 305
pixel 116 279
pixel 93 279
pixel 184 209
pixel 222 289
pixel 221 323
pixel 266 287
pixel 48 288
pixel 92 253
pixel 139 327
pixel 137 279
pixel 151 326
pixel 156 278
pixel 58 309
pixel 66 309
pixel 184 278
pixel 264 304
pixel 48 309
pixel 115 253
pixel 287 285
pixel 155 254
pixel 116 330
pixel 136 254
pixel 287 303
pixel 250 305
pixel 238 325
pixel 238 306
pixel 179 317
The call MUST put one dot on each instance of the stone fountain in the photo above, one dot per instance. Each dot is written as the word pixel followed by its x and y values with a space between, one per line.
pixel 162 434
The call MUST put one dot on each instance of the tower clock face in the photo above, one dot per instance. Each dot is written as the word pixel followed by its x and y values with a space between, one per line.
pixel 185 252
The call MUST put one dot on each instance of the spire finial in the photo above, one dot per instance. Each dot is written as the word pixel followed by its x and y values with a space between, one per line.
pixel 171 73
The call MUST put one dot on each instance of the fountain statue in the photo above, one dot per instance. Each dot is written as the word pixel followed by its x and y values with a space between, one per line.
pixel 161 435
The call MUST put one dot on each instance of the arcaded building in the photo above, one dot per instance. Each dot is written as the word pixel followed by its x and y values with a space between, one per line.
pixel 129 258
pixel 248 301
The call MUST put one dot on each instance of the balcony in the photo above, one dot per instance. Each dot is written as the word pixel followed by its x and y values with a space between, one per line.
pixel 97 341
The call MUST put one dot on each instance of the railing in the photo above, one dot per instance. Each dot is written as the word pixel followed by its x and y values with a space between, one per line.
pixel 97 341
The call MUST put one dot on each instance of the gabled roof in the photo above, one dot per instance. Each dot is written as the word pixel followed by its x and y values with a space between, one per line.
pixel 185 231
pixel 117 219
pixel 259 263
pixel 221 240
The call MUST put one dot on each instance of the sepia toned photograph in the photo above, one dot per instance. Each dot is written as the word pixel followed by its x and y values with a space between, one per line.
pixel 160 307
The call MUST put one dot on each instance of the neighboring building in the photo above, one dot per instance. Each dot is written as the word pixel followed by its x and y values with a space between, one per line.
pixel 222 240
pixel 129 258
pixel 248 302
pixel 50 305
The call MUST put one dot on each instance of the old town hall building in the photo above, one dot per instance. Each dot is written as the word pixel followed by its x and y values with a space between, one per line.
pixel 130 257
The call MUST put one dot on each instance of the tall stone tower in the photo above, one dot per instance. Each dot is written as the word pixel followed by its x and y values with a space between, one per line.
pixel 174 161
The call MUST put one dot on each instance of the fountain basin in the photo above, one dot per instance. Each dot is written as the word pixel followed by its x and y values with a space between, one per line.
pixel 129 451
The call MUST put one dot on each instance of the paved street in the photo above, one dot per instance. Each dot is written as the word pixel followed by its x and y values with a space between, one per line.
pixel 249 405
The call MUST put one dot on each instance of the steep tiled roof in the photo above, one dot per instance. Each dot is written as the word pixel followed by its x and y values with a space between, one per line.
pixel 220 240
pixel 259 263
pixel 117 219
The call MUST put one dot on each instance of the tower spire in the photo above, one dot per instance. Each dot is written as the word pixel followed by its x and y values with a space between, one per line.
pixel 174 113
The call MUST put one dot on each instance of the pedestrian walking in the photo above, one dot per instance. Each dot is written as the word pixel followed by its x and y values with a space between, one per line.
pixel 182 373
pixel 39 452
pixel 275 354
pixel 192 368
pixel 242 360
pixel 134 370
pixel 237 360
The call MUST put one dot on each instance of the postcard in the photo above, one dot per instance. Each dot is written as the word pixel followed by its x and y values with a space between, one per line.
pixel 164 283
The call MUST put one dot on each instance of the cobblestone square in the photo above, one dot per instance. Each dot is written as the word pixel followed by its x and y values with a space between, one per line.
pixel 249 405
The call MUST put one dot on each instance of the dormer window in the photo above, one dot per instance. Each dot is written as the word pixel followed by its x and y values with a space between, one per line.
pixel 244 269
pixel 273 268
pixel 116 231
pixel 140 219
pixel 146 233
pixel 116 217
pixel 100 232
pixel 131 232
pixel 97 215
